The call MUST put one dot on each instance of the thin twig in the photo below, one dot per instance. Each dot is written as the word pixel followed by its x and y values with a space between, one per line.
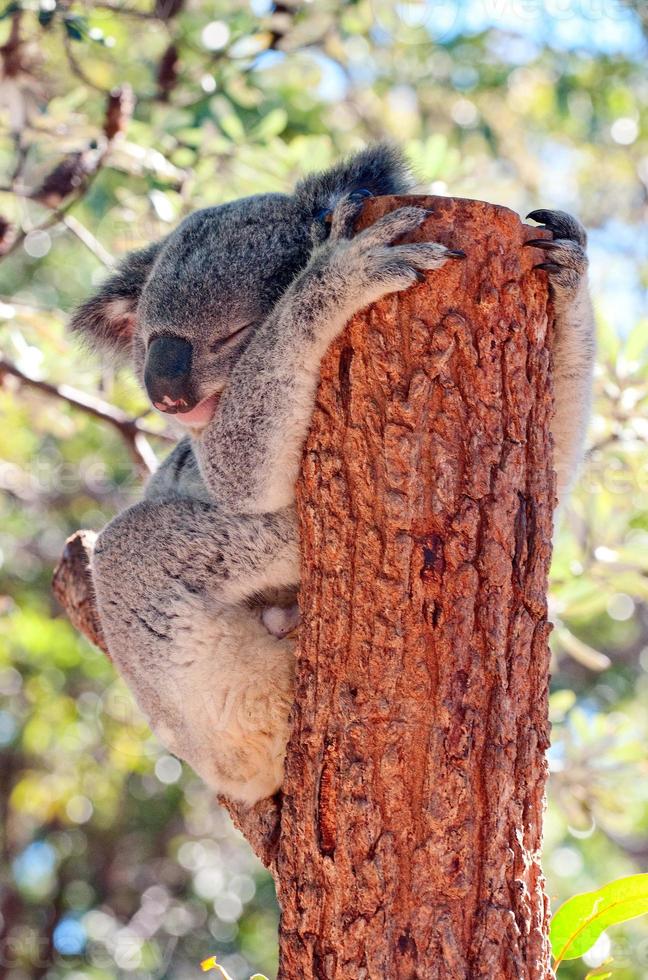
pixel 31 307
pixel 88 239
pixel 69 221
pixel 131 430
pixel 22 149
pixel 119 107
pixel 59 214
pixel 117 8
pixel 54 218
pixel 163 10
pixel 78 70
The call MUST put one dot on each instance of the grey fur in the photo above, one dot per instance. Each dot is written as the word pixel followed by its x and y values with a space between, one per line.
pixel 196 584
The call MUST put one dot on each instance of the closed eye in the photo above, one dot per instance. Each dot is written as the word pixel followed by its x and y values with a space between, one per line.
pixel 225 341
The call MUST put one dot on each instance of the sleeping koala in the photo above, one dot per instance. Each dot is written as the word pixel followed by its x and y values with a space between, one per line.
pixel 226 321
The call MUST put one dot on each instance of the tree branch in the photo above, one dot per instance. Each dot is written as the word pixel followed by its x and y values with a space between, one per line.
pixel 77 69
pixel 117 8
pixel 414 777
pixel 72 177
pixel 131 430
pixel 163 10
pixel 86 237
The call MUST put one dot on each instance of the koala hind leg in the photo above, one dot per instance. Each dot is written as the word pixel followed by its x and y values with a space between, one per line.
pixel 172 580
pixel 575 346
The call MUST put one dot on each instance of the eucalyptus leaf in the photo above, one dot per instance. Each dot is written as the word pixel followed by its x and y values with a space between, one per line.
pixel 579 922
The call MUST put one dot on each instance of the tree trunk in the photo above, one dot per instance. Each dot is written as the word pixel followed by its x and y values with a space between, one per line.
pixel 414 793
pixel 407 841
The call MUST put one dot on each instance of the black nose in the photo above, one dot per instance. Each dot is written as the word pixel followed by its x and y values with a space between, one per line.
pixel 167 374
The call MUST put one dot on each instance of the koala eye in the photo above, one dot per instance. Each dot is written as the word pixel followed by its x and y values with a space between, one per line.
pixel 322 222
pixel 235 335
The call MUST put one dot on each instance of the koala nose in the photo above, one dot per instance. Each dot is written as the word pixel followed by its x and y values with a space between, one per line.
pixel 167 374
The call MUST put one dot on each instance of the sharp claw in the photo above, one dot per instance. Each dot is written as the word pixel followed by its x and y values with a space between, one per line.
pixel 419 275
pixel 545 243
pixel 360 194
pixel 563 225
pixel 548 266
pixel 540 214
pixel 455 253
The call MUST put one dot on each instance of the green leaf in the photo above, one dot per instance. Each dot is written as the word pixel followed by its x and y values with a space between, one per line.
pixel 580 921
pixel 232 127
pixel 76 27
pixel 273 123
pixel 11 8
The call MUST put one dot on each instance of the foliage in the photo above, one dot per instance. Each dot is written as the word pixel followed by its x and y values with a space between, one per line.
pixel 115 860
pixel 579 922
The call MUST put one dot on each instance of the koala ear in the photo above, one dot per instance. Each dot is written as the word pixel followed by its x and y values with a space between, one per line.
pixel 380 169
pixel 106 321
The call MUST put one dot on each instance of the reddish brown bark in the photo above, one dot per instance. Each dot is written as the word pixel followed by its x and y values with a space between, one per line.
pixel 72 586
pixel 412 817
pixel 408 842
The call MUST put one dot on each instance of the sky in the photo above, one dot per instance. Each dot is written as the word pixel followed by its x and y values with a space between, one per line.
pixel 596 25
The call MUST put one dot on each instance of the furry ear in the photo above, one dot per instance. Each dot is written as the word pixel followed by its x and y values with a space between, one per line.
pixel 380 169
pixel 106 321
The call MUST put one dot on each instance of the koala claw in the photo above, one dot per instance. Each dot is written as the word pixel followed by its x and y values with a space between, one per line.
pixel 360 195
pixel 562 224
pixel 546 243
pixel 339 222
pixel 423 255
pixel 568 256
pixel 549 267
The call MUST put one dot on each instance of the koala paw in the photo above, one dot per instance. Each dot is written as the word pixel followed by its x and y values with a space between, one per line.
pixel 374 260
pixel 567 256
pixel 392 267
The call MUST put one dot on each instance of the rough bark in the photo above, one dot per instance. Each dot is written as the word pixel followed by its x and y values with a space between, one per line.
pixel 414 793
pixel 407 841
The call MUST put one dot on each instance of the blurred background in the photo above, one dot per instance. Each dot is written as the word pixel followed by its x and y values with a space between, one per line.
pixel 115 861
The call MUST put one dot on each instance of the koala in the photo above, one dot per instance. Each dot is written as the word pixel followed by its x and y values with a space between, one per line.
pixel 225 322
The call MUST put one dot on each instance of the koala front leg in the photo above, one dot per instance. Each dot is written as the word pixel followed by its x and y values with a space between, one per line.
pixel 250 453
pixel 575 344
pixel 170 578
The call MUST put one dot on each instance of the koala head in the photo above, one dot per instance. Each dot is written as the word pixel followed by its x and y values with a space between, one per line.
pixel 184 309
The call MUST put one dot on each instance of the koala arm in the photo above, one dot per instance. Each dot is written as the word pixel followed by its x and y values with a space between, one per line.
pixel 250 453
pixel 575 340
